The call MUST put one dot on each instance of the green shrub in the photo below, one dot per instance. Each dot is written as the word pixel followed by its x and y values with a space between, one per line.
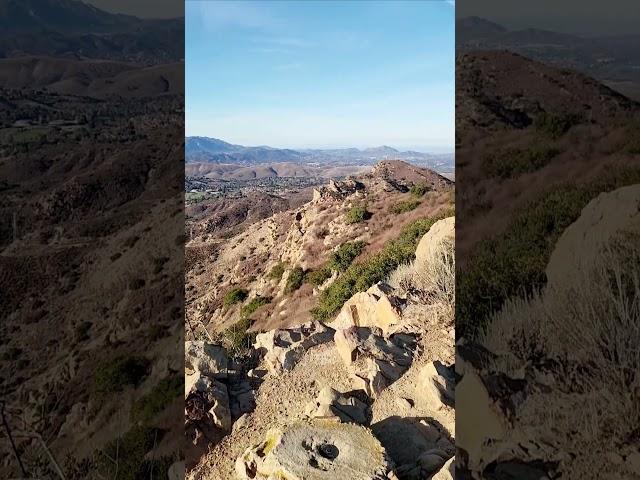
pixel 116 374
pixel 512 162
pixel 237 336
pixel 419 190
pixel 514 262
pixel 277 271
pixel 555 126
pixel 318 277
pixel 163 394
pixel 294 280
pixel 234 296
pixel 357 214
pixel 345 254
pixel 359 276
pixel 255 303
pixel 404 206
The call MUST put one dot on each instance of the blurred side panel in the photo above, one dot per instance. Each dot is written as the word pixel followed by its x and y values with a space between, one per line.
pixel 548 261
pixel 91 239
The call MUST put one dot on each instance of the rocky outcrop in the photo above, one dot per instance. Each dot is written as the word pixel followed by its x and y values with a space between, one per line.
pixel 207 399
pixel 333 405
pixel 437 384
pixel 283 348
pixel 337 189
pixel 205 358
pixel 316 451
pixel 441 231
pixel 375 361
pixel 377 307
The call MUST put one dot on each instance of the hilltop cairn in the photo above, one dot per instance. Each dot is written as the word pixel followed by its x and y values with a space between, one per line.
pixel 338 189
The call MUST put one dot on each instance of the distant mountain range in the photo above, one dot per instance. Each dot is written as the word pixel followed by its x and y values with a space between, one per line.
pixel 613 59
pixel 213 150
pixel 74 29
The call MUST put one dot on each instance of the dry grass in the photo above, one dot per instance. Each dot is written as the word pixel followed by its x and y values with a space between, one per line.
pixel 590 331
pixel 430 282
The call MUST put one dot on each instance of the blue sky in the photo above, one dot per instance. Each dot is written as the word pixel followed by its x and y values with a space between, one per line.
pixel 322 74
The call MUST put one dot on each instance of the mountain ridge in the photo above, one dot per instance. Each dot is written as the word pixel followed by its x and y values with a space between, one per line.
pixel 75 29
pixel 200 149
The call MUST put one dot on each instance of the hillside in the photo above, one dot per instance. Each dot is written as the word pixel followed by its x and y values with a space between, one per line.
pixel 548 158
pixel 303 237
pixel 609 58
pixel 94 78
pixel 523 126
pixel 269 310
pixel 74 29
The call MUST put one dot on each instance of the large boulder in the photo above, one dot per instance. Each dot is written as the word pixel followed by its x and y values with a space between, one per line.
pixel 283 348
pixel 441 231
pixel 581 243
pixel 333 405
pixel 206 358
pixel 207 398
pixel 316 451
pixel 377 307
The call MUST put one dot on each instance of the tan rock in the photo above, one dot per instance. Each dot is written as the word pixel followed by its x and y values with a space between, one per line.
pixel 477 420
pixel 206 397
pixel 375 362
pixel 442 230
pixel 600 221
pixel 437 384
pixel 207 358
pixel 283 348
pixel 377 307
pixel 332 404
pixel 319 450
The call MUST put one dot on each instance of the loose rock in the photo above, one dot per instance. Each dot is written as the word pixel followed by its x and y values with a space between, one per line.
pixel 331 404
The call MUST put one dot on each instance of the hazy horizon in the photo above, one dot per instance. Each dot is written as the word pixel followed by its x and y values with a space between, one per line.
pixel 618 17
pixel 322 74
pixel 415 148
